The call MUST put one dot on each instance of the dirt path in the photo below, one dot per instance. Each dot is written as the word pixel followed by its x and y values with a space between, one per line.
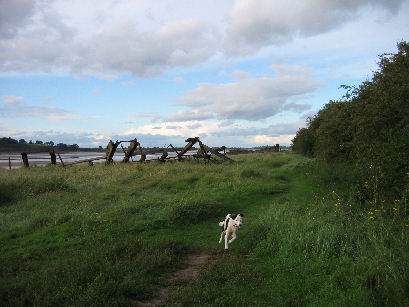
pixel 193 266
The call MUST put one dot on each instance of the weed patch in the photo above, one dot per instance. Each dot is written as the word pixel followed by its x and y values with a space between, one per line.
pixel 250 174
pixel 278 164
pixel 44 185
pixel 194 212
pixel 7 193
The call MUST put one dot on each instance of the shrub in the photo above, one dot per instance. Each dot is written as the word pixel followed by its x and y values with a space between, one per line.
pixel 369 128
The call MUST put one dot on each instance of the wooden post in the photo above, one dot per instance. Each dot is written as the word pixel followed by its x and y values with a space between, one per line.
pixel 143 156
pixel 53 157
pixel 62 163
pixel 206 148
pixel 191 143
pixel 25 159
pixel 131 149
pixel 111 148
pixel 9 164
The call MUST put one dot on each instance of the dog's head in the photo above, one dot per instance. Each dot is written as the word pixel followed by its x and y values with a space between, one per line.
pixel 237 220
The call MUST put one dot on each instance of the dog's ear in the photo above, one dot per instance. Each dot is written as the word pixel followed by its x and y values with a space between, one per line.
pixel 233 215
pixel 241 214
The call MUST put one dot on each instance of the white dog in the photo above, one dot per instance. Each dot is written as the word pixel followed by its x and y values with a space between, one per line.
pixel 230 225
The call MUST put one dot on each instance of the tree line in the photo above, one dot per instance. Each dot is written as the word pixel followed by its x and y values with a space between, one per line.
pixel 8 144
pixel 368 129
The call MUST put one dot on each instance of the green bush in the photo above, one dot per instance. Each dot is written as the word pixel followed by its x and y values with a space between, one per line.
pixel 369 129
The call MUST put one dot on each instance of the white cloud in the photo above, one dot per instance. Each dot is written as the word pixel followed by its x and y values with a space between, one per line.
pixel 178 79
pixel 107 38
pixel 240 74
pixel 211 133
pixel 252 98
pixel 255 24
pixel 128 83
pixel 182 115
pixel 229 133
pixel 13 100
pixel 270 140
pixel 143 115
pixel 51 114
pixel 83 139
pixel 55 40
pixel 13 15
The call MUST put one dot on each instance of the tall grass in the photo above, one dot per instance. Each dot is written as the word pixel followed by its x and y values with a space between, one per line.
pixel 112 235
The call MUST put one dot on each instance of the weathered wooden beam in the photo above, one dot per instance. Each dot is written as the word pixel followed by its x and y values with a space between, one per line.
pixel 131 149
pixel 171 146
pixel 216 153
pixel 191 143
pixel 111 148
pixel 143 155
pixel 62 162
pixel 53 157
pixel 25 159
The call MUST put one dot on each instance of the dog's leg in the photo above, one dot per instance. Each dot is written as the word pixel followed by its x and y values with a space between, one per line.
pixel 233 237
pixel 221 237
pixel 226 237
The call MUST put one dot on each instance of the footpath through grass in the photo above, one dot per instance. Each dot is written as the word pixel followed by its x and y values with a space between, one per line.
pixel 112 235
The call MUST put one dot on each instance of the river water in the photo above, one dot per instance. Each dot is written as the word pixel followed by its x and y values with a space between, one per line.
pixel 42 159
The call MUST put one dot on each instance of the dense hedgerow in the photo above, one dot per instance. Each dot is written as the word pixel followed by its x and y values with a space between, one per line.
pixel 369 129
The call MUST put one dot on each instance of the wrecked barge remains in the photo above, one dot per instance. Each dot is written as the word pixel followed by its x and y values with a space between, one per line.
pixel 208 154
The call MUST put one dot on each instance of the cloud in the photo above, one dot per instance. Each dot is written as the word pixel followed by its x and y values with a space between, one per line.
pixel 211 133
pixel 251 98
pixel 52 114
pixel 154 115
pixel 13 100
pixel 256 24
pixel 145 38
pixel 240 74
pixel 105 50
pixel 178 79
pixel 182 116
pixel 194 126
pixel 269 140
pixel 214 133
pixel 273 130
pixel 128 83
pixel 13 15
pixel 84 139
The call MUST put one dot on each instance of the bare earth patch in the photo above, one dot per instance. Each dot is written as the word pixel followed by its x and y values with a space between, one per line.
pixel 193 266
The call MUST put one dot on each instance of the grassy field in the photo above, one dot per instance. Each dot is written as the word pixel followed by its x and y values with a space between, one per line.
pixel 113 235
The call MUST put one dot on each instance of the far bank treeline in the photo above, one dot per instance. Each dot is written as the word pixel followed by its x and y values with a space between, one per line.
pixel 8 144
pixel 368 129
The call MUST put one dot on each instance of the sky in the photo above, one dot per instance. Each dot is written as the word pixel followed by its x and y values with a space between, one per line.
pixel 238 73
